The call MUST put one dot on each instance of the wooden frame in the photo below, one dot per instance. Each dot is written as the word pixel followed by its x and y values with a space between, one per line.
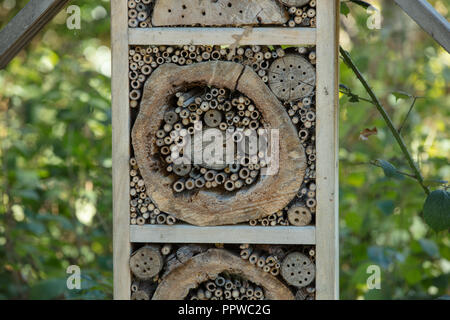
pixel 327 140
pixel 324 234
pixel 423 13
pixel 223 234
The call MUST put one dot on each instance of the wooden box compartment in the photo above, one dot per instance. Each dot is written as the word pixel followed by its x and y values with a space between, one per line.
pixel 170 13
pixel 184 86
pixel 222 272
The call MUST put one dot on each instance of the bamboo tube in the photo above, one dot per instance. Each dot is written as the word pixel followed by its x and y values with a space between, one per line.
pixel 245 253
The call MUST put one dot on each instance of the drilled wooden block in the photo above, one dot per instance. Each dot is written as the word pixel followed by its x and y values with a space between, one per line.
pixel 299 215
pixel 298 270
pixel 208 265
pixel 146 262
pixel 218 13
pixel 270 194
pixel 292 77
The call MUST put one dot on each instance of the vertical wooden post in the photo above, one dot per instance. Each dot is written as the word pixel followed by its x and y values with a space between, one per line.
pixel 121 148
pixel 327 223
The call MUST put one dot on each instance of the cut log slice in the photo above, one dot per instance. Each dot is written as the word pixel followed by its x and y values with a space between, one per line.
pixel 273 190
pixel 218 13
pixel 292 77
pixel 146 262
pixel 295 3
pixel 298 270
pixel 208 265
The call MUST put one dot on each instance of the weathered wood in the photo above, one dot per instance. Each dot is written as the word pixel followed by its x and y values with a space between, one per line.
pixel 146 262
pixel 299 215
pixel 298 270
pixel 295 3
pixel 428 19
pixel 270 194
pixel 222 234
pixel 327 163
pixel 120 150
pixel 292 77
pixel 208 265
pixel 186 252
pixel 222 36
pixel 218 13
pixel 25 25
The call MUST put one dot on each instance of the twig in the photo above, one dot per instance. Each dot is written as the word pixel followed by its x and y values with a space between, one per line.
pixel 407 115
pixel 349 62
pixel 350 94
pixel 373 163
pixel 396 170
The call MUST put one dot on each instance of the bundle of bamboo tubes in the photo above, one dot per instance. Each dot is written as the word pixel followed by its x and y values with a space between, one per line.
pixel 268 262
pixel 143 60
pixel 139 13
pixel 197 111
pixel 303 16
pixel 142 208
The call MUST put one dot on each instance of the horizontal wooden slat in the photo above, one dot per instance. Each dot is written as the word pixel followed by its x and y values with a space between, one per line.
pixel 222 234
pixel 221 36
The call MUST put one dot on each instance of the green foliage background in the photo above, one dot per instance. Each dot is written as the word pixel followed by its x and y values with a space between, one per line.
pixel 55 152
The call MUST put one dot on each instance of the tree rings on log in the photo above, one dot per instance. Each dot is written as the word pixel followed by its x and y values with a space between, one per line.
pixel 299 215
pixel 298 270
pixel 273 190
pixel 208 265
pixel 218 13
pixel 295 3
pixel 292 77
pixel 146 262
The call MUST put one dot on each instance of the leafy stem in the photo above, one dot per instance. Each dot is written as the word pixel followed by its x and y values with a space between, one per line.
pixel 407 115
pixel 376 102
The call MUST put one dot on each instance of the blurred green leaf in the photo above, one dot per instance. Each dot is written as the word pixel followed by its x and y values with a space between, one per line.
pixel 401 95
pixel 389 170
pixel 386 206
pixel 379 255
pixel 436 210
pixel 48 289
pixel 430 247
pixel 344 9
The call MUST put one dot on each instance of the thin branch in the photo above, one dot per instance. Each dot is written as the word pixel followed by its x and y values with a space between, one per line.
pixel 398 171
pixel 407 115
pixel 349 62
pixel 373 163
pixel 349 94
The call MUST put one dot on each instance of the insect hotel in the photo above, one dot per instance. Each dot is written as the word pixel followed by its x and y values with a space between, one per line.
pixel 255 218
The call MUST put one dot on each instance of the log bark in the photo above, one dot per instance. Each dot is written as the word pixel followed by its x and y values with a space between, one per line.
pixel 208 265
